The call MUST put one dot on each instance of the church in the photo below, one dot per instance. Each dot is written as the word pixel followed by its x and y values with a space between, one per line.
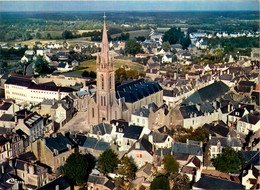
pixel 109 103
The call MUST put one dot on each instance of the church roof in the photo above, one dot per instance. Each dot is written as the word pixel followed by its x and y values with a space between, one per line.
pixel 137 90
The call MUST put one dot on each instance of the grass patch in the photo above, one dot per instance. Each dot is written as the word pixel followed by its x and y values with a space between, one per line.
pixel 90 65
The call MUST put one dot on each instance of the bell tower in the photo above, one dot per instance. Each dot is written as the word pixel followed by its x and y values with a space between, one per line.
pixel 105 81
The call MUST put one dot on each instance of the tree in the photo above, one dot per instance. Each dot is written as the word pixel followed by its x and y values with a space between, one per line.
pixel 166 45
pixel 76 168
pixel 127 167
pixel 160 182
pixel 132 47
pixel 229 161
pixel 92 74
pixel 41 66
pixel 48 36
pixel 173 36
pixel 181 182
pixel 85 74
pixel 38 35
pixel 108 161
pixel 170 164
pixel 207 159
pixel 67 34
pixel 191 30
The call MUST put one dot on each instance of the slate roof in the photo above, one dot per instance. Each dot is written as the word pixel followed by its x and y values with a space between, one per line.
pixel 251 157
pixel 147 169
pixel 251 118
pixel 133 132
pixel 102 129
pixel 158 137
pixel 207 182
pixel 137 90
pixel 3 140
pixel 101 180
pixel 7 117
pixel 32 119
pixel 20 165
pixel 184 148
pixel 163 151
pixel 59 143
pixel 96 144
pixel 61 182
pixel 145 145
pixel 218 129
pixel 50 88
pixel 7 175
pixel 28 156
pixel 61 65
pixel 19 81
pixel 226 141
pixel 209 93
pixel 5 106
pixel 121 125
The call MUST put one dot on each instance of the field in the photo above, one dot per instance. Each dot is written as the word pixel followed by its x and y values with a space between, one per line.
pixel 91 66
pixel 135 33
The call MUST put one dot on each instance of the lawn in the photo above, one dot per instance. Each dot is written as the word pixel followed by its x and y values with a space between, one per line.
pixel 91 66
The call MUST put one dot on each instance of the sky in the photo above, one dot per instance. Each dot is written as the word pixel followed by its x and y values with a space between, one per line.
pixel 129 5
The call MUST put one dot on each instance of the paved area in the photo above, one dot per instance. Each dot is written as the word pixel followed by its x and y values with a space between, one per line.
pixel 78 123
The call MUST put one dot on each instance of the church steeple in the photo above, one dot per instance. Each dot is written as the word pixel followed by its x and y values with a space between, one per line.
pixel 105 81
pixel 105 61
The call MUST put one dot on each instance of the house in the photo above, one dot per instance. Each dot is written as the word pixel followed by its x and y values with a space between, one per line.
pixel 53 151
pixel 32 125
pixel 77 48
pixel 89 144
pixel 160 140
pixel 61 111
pixel 217 144
pixel 5 149
pixel 100 182
pixel 249 122
pixel 238 113
pixel 220 130
pixel 75 63
pixel 131 135
pixel 142 55
pixel 141 152
pixel 146 171
pixel 102 131
pixel 251 178
pixel 143 116
pixel 8 176
pixel 58 183
pixel 167 59
pixel 64 67
pixel 19 142
pixel 193 169
pixel 190 148
pixel 210 182
pixel 32 174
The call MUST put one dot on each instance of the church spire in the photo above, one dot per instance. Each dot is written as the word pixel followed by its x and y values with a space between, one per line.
pixel 105 48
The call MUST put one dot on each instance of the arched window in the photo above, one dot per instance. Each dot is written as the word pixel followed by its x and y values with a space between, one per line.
pixel 104 101
pixel 102 82
pixel 110 82
pixel 101 100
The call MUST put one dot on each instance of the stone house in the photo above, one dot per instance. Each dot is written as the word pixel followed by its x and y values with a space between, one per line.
pixel 141 152
pixel 193 169
pixel 32 125
pixel 100 182
pixel 5 149
pixel 219 143
pixel 53 151
pixel 32 174
pixel 251 178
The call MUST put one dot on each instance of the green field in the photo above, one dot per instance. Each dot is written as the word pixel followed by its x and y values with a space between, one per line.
pixel 135 33
pixel 91 66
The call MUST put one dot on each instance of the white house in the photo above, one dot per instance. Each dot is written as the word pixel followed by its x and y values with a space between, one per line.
pixel 167 59
pixel 249 122
pixel 219 143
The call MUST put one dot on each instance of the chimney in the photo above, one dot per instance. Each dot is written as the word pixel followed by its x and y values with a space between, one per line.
pixel 198 107
pixel 10 163
pixel 209 136
pixel 201 144
pixel 3 169
pixel 228 107
pixel 59 94
pixel 186 76
pixel 57 187
pixel 150 139
pixel 26 168
pixel 69 146
pixel 31 169
pixel 137 145
pixel 187 141
pixel 175 76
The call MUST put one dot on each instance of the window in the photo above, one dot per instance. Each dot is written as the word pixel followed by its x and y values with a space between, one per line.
pixel 101 100
pixel 104 101
pixel 102 82
pixel 116 116
pixel 110 82
pixel 141 156
pixel 93 112
pixel 23 175
pixel 137 120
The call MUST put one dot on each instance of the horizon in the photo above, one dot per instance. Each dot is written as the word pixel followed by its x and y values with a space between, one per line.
pixel 128 6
